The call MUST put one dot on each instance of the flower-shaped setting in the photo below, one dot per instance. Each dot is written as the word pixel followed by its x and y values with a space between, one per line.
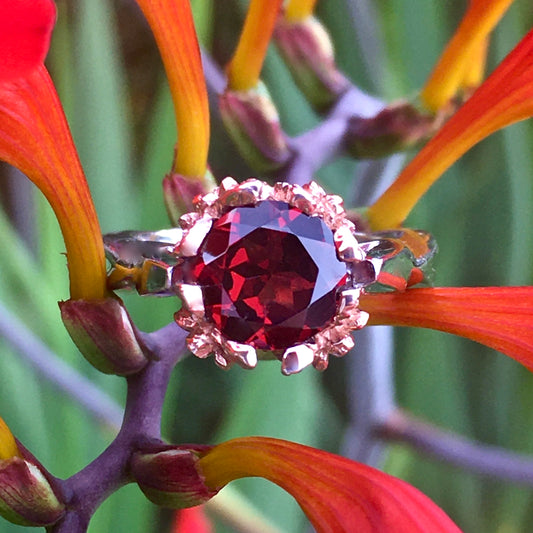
pixel 270 271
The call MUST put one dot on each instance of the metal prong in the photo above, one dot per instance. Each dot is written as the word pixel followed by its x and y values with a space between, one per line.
pixel 192 240
pixel 192 297
pixel 347 246
pixel 296 358
pixel 244 354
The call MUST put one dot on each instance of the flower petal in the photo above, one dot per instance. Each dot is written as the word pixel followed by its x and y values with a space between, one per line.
pixel 192 520
pixel 478 21
pixel 35 138
pixel 8 445
pixel 298 10
pixel 336 494
pixel 25 31
pixel 504 98
pixel 245 67
pixel 173 27
pixel 499 317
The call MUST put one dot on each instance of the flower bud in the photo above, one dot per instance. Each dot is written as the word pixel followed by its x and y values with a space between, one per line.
pixel 308 51
pixel 168 476
pixel 105 335
pixel 26 494
pixel 179 192
pixel 398 127
pixel 252 121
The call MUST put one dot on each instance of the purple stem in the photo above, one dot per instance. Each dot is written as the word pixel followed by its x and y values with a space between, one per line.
pixel 453 449
pixel 87 489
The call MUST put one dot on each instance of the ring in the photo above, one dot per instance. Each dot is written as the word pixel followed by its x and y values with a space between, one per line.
pixel 268 271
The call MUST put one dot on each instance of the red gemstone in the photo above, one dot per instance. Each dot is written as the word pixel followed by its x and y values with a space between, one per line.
pixel 269 275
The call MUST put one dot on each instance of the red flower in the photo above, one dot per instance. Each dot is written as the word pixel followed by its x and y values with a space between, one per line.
pixel 25 30
pixel 35 138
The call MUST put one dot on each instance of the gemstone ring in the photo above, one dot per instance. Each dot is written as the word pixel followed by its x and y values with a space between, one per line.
pixel 268 271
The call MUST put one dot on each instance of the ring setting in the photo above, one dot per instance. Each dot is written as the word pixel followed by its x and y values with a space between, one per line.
pixel 263 271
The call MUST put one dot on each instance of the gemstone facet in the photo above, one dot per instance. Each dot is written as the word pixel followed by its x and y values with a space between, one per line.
pixel 269 275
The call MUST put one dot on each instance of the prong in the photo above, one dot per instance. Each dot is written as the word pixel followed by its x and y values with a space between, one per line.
pixel 257 188
pixel 244 354
pixel 192 297
pixel 347 246
pixel 314 189
pixel 343 346
pixel 193 239
pixel 221 360
pixel 228 183
pixel 349 298
pixel 200 345
pixel 296 358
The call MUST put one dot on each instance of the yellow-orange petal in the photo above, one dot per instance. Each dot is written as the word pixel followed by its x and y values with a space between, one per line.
pixel 172 24
pixel 499 317
pixel 35 138
pixel 475 67
pixel 336 494
pixel 479 20
pixel 504 98
pixel 8 445
pixel 298 10
pixel 244 68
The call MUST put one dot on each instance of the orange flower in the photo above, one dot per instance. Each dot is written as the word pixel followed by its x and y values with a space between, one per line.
pixel 466 46
pixel 245 67
pixel 336 494
pixel 504 98
pixel 173 27
pixel 25 30
pixel 499 317
pixel 35 138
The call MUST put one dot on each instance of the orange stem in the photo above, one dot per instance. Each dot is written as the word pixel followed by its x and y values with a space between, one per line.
pixel 245 67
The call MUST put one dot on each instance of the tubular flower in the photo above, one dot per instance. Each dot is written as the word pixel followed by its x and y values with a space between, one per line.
pixel 336 494
pixel 35 138
pixel 245 67
pixel 497 317
pixel 504 98
pixel 246 108
pixel 173 28
pixel 465 47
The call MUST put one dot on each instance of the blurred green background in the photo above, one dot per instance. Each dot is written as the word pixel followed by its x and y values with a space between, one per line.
pixel 111 83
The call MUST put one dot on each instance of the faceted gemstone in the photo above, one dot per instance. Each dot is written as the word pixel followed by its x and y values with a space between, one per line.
pixel 269 275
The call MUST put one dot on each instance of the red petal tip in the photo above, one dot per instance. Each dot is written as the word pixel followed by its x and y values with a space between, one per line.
pixel 25 31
